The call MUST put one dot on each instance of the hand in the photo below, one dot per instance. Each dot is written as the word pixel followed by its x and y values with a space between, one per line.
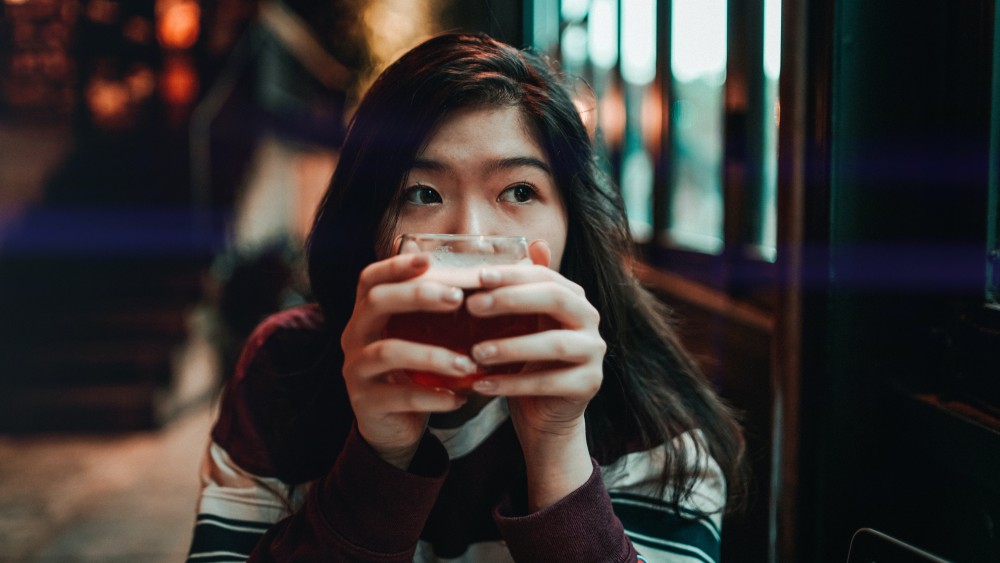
pixel 391 412
pixel 564 370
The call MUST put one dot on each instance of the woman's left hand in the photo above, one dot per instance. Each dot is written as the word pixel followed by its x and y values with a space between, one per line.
pixel 563 371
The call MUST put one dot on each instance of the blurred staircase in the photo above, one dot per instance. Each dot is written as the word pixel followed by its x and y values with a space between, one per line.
pixel 100 323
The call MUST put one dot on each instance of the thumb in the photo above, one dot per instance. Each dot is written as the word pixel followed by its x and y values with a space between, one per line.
pixel 540 253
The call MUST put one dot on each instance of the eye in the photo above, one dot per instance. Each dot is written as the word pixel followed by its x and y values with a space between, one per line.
pixel 421 195
pixel 518 193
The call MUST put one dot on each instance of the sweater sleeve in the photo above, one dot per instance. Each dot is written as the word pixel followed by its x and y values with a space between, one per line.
pixel 288 477
pixel 620 514
pixel 581 527
pixel 363 510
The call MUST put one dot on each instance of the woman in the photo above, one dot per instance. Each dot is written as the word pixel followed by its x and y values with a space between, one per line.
pixel 608 447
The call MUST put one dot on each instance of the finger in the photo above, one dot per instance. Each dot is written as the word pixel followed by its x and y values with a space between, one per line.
pixel 416 295
pixel 565 346
pixel 409 247
pixel 580 383
pixel 382 301
pixel 394 269
pixel 390 398
pixel 499 276
pixel 389 355
pixel 551 298
pixel 540 253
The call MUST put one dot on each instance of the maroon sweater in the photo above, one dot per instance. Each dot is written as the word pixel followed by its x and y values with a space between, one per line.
pixel 288 477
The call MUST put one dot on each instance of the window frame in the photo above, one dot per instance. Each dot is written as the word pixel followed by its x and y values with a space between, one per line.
pixel 739 270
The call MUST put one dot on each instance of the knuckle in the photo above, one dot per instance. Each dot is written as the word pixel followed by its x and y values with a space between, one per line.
pixel 359 398
pixel 350 339
pixel 503 300
pixel 435 358
pixel 366 277
pixel 370 303
pixel 375 295
pixel 588 380
pixel 595 315
pixel 563 300
pixel 381 351
pixel 592 384
pixel 412 400
pixel 561 345
pixel 424 292
pixel 348 369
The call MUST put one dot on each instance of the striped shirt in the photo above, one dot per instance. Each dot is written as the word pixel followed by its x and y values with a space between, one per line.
pixel 312 489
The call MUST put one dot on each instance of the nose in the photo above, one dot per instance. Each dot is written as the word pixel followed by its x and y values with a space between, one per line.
pixel 471 218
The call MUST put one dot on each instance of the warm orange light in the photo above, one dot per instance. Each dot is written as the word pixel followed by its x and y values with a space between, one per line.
pixel 177 23
pixel 138 30
pixel 585 101
pixel 652 118
pixel 178 82
pixel 612 115
pixel 108 100
pixel 392 27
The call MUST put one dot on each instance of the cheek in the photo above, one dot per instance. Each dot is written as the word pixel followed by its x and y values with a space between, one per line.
pixel 555 236
pixel 387 238
pixel 409 225
pixel 557 249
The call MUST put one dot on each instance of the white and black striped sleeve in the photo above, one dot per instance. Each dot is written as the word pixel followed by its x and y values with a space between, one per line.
pixel 658 531
pixel 235 508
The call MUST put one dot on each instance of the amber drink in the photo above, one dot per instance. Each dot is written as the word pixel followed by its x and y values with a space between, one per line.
pixel 457 260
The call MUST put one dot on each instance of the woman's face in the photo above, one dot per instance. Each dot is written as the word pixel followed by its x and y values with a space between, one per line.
pixel 483 173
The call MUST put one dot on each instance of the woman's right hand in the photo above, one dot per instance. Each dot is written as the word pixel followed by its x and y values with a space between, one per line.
pixel 391 411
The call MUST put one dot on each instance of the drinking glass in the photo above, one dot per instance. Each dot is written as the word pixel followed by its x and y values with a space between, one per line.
pixel 456 260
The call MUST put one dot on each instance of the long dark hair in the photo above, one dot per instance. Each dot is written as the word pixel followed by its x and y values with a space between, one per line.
pixel 652 390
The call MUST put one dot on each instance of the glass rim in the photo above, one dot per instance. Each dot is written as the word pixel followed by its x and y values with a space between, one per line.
pixel 462 237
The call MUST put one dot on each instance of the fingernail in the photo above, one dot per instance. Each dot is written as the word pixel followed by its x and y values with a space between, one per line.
pixel 489 277
pixel 464 364
pixel 484 385
pixel 484 351
pixel 452 295
pixel 419 261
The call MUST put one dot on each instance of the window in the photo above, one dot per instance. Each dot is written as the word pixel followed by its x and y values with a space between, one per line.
pixel 685 103
pixel 768 236
pixel 697 79
pixel 642 113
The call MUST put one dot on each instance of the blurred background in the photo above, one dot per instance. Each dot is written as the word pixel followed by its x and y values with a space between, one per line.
pixel 811 184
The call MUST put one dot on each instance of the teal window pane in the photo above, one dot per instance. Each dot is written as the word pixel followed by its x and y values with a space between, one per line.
pixel 772 112
pixel 698 69
pixel 638 70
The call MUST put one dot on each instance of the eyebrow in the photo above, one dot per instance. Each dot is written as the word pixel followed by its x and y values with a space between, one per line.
pixel 492 166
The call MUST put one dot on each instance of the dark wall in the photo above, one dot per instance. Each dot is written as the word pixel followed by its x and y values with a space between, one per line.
pixel 894 438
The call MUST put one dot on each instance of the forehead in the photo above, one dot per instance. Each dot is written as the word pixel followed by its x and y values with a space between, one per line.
pixel 471 133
